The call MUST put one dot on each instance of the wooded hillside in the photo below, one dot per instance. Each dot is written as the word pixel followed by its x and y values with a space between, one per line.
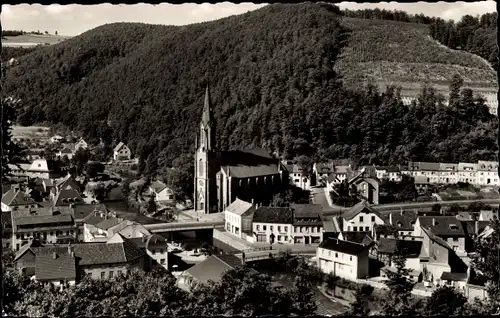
pixel 273 84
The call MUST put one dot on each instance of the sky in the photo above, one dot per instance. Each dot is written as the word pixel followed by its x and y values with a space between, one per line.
pixel 75 19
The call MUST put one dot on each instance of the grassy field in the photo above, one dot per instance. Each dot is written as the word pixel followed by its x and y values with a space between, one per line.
pixel 390 52
pixel 35 133
pixel 32 39
pixel 471 193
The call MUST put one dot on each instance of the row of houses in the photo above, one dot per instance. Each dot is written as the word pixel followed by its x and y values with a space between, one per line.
pixel 121 152
pixel 482 173
pixel 438 247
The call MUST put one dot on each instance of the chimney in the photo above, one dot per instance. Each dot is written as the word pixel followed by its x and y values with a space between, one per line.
pixel 402 211
pixel 54 255
pixel 476 227
pixel 69 248
pixel 143 239
pixel 72 254
pixel 390 218
pixel 253 202
pixel 433 221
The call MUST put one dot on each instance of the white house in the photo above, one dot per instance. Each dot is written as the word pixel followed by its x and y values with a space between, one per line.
pixel 467 172
pixel 121 152
pixel 361 217
pixel 429 170
pixel 391 173
pixel 40 168
pixel 81 144
pixel 162 194
pixel 487 173
pixel 65 152
pixel 448 173
pixel 56 138
pixel 299 177
pixel 307 223
pixel 322 170
pixel 238 216
pixel 273 225
pixel 344 259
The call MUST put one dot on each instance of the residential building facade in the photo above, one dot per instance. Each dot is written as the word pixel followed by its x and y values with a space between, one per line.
pixel 343 259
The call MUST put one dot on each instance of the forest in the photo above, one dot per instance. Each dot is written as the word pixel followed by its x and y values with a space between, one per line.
pixel 273 84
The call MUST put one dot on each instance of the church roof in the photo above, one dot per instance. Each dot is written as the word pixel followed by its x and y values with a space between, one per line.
pixel 206 117
pixel 248 163
pixel 243 171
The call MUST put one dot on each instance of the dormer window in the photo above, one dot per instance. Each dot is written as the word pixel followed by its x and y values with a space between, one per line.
pixel 453 227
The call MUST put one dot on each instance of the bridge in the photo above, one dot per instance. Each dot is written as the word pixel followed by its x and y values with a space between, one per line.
pixel 263 253
pixel 184 226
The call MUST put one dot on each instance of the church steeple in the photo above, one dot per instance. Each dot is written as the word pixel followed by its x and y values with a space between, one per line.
pixel 206 118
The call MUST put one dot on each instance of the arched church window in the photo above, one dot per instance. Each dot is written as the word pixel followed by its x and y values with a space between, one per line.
pixel 201 167
pixel 202 137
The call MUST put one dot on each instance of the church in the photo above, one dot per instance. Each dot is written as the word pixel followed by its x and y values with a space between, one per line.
pixel 252 175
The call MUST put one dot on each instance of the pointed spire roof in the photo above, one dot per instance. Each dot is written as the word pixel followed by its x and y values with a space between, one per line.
pixel 206 118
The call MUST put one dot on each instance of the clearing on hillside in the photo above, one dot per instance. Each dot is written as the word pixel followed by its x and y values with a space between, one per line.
pixel 389 52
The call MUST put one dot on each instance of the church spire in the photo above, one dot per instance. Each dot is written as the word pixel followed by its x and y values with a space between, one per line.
pixel 206 118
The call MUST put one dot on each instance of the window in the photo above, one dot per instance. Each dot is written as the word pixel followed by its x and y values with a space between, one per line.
pixel 162 261
pixel 367 229
pixel 264 227
pixel 336 255
pixel 348 229
pixel 161 251
pixel 329 253
pixel 285 238
pixel 103 275
pixel 373 218
pixel 286 228
pixel 111 273
pixel 455 239
pixel 119 272
pixel 361 219
pixel 355 229
pixel 350 258
pixel 257 227
pixel 153 251
pixel 271 227
pixel 279 228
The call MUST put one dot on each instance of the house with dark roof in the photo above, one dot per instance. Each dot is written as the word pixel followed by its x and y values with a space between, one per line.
pixel 307 223
pixel 65 152
pixel 67 181
pixel 344 259
pixel 96 227
pixel 67 196
pixel 238 217
pixel 273 224
pixel 448 228
pixel 361 217
pixel 48 228
pixel 363 238
pixel 155 247
pixel 429 170
pixel 121 152
pixel 6 229
pixel 299 177
pixel 322 170
pixel 223 176
pixel 367 185
pixel 81 144
pixel 487 173
pixel 472 230
pixel 161 193
pixel 386 248
pixel 211 269
pixel 403 221
pixel 97 260
pixel 56 269
pixel 17 199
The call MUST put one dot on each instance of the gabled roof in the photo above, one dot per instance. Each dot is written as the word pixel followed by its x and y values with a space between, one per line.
pixel 410 248
pixel 43 219
pixel 157 186
pixel 214 267
pixel 343 246
pixel 444 225
pixel 55 267
pixel 435 238
pixel 244 171
pixel 83 211
pixel 108 223
pixel 470 227
pixel 324 167
pixel 66 196
pixel 455 277
pixel 357 237
pixel 15 197
pixel 265 214
pixel 405 218
pixel 66 150
pixel 307 210
pixel 240 207
pixel 424 166
pixel 357 209
pixel 119 146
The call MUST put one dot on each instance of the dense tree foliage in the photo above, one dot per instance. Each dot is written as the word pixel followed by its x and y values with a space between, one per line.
pixel 9 52
pixel 477 35
pixel 446 301
pixel 273 84
pixel 12 152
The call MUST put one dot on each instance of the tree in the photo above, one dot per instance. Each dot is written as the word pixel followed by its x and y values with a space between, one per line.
pixel 99 192
pixel 93 168
pixel 283 199
pixel 152 206
pixel 360 306
pixel 436 207
pixel 11 151
pixel 398 300
pixel 478 206
pixel 80 159
pixel 445 301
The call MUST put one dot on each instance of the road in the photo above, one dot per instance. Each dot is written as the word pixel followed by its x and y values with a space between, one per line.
pixel 327 306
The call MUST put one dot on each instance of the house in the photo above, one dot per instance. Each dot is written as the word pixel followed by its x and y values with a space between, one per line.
pixel 95 228
pixel 386 248
pixel 487 173
pixel 341 173
pixel 211 269
pixel 42 168
pixel 121 152
pixel 66 197
pixel 82 212
pixel 343 259
pixel 162 194
pixel 361 217
pixel 16 199
pixel 65 152
pixel 155 247
pixel 448 173
pixel 56 269
pixel 238 216
pixel 128 229
pixel 391 173
pixel 457 280
pixel 472 230
pixel 421 184
pixel 437 257
pixel 57 138
pixel 403 221
pixel 63 183
pixel 307 223
pixel 298 176
pixel 448 228
pixel 487 215
pixel 362 238
pixel 273 225
pixel 49 228
pixel 19 170
pixel 81 144
pixel 430 170
pixel 366 186
pixel 322 170
pixel 467 172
